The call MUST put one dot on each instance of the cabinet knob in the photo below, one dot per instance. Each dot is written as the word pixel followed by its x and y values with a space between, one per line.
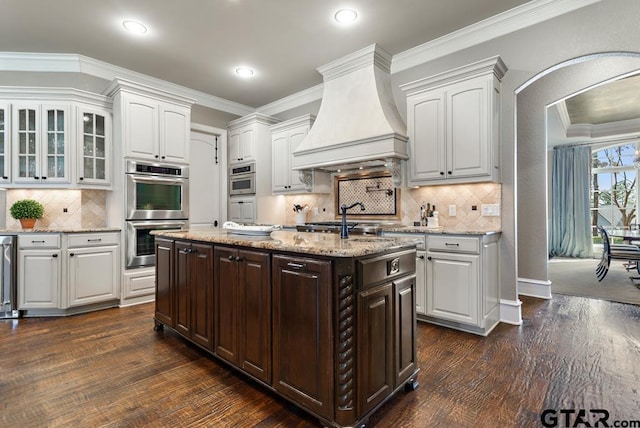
pixel 81 178
pixel 429 258
pixel 421 257
pixel 37 178
pixel 441 172
pixel 44 178
pixel 241 202
pixel 230 257
pixel 54 255
pixel 238 259
pixel 4 177
pixel 71 254
pixel 449 172
pixel 162 157
pixel 156 156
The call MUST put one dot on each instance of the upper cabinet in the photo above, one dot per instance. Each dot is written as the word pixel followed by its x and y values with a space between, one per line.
pixel 151 124
pixel 453 121
pixel 285 139
pixel 41 134
pixel 246 138
pixel 94 146
pixel 5 143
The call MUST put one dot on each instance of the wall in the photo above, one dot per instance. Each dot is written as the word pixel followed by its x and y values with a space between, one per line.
pixel 464 196
pixel 85 208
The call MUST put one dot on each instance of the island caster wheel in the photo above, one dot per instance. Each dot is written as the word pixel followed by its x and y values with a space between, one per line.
pixel 157 326
pixel 411 385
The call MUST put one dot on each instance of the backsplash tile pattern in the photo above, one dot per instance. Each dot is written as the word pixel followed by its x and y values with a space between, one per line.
pixel 85 208
pixel 371 192
pixel 463 196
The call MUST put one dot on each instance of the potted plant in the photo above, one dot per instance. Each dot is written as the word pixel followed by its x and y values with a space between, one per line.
pixel 27 211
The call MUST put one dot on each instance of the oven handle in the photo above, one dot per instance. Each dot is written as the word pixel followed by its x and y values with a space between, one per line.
pixel 155 179
pixel 156 224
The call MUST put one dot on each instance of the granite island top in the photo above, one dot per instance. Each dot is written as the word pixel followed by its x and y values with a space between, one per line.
pixel 62 230
pixel 326 244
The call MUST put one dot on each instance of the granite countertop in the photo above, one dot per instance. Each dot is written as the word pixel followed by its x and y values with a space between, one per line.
pixel 62 230
pixel 441 230
pixel 325 244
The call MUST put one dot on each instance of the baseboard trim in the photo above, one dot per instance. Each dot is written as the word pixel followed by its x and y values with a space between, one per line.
pixel 534 288
pixel 511 311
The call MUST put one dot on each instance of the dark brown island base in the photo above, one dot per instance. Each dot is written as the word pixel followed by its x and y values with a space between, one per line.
pixel 327 323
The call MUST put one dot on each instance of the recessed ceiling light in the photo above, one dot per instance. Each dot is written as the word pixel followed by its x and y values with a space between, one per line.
pixel 346 16
pixel 134 26
pixel 244 72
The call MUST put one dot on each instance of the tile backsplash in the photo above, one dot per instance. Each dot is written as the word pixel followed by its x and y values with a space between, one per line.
pixel 463 196
pixel 84 208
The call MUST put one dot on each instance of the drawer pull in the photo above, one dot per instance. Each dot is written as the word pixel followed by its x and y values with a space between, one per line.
pixel 231 258
pixel 296 265
pixel 54 255
pixel 420 257
pixel 238 259
pixel 451 245
pixel 94 240
pixel 38 242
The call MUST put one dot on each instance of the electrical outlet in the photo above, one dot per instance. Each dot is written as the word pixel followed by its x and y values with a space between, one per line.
pixel 452 210
pixel 490 210
pixel 316 211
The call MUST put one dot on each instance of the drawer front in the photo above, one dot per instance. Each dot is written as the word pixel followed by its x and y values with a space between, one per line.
pixel 39 241
pixel 92 239
pixel 456 244
pixel 385 268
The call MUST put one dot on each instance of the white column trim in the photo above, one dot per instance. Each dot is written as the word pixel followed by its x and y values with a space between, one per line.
pixel 534 288
pixel 511 311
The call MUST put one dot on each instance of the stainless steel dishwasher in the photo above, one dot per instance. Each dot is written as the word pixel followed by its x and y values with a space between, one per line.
pixel 8 282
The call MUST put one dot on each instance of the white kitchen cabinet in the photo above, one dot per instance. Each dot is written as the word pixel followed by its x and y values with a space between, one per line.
pixel 247 137
pixel 94 152
pixel 93 268
pixel 5 143
pixel 453 123
pixel 242 210
pixel 151 124
pixel 462 282
pixel 285 139
pixel 39 271
pixel 41 134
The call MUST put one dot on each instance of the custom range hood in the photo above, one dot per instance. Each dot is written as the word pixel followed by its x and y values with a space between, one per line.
pixel 358 125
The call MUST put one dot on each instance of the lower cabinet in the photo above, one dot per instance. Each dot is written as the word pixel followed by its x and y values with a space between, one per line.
pixel 242 309
pixel 194 291
pixel 93 268
pixel 302 326
pixel 165 308
pixel 39 278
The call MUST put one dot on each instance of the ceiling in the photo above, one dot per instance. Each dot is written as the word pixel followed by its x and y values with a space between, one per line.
pixel 199 43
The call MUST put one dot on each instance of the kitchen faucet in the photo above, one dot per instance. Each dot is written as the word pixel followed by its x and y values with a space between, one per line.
pixel 344 231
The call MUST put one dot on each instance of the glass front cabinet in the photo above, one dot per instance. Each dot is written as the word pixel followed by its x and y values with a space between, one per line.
pixel 94 147
pixel 5 144
pixel 41 143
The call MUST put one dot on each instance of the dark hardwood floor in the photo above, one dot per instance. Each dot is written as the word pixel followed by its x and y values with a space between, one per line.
pixel 109 368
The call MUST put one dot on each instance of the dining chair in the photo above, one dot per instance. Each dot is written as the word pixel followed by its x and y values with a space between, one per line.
pixel 626 252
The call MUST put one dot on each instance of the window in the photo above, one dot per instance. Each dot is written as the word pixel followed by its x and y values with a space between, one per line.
pixel 614 189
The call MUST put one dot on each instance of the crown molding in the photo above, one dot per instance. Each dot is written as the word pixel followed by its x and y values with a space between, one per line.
pixel 499 25
pixel 292 101
pixel 73 63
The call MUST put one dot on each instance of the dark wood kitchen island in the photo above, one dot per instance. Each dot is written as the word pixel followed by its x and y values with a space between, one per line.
pixel 327 323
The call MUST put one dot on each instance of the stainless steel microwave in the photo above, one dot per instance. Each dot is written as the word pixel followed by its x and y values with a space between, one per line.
pixel 242 179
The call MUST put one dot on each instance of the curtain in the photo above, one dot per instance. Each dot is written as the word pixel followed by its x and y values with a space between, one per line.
pixel 570 231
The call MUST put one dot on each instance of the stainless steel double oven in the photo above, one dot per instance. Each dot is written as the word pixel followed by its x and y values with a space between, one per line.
pixel 157 198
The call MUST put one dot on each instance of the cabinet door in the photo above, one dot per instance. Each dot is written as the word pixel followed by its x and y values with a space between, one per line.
pixel 38 279
pixel 280 154
pixel 469 153
pixel 405 363
pixel 141 127
pixel 426 124
pixel 375 345
pixel 255 313
pixel 452 286
pixel 26 140
pixel 302 327
pixel 247 144
pixel 5 143
pixel 226 312
pixel 248 211
pixel 421 282
pixel 93 274
pixel 94 147
pixel 182 291
pixel 200 283
pixel 295 138
pixel 175 124
pixel 234 146
pixel 164 281
pixel 55 144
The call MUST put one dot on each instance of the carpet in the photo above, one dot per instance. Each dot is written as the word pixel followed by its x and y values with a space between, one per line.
pixel 577 277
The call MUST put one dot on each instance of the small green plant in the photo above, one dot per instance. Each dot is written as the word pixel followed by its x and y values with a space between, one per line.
pixel 26 208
